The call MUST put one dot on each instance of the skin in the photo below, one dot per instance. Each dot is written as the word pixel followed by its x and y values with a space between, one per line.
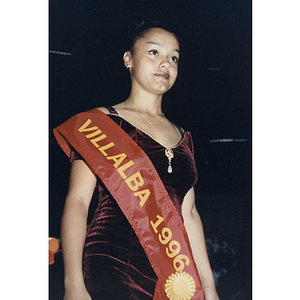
pixel 153 68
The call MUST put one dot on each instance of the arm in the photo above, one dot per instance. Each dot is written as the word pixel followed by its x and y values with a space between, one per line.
pixel 73 228
pixel 195 233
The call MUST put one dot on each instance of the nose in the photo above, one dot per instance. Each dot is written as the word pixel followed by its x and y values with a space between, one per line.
pixel 165 63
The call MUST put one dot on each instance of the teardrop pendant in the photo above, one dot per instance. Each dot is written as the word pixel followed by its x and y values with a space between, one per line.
pixel 169 154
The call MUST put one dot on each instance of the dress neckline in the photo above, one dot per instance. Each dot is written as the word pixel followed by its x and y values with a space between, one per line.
pixel 183 134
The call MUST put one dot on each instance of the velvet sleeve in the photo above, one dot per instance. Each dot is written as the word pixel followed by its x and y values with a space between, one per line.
pixel 75 156
pixel 191 144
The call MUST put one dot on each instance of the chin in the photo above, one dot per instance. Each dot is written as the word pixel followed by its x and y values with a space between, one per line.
pixel 163 88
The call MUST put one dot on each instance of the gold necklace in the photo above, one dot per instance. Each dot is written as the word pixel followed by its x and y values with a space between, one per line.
pixel 168 151
pixel 153 125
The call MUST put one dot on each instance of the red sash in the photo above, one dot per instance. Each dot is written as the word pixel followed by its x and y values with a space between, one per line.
pixel 132 180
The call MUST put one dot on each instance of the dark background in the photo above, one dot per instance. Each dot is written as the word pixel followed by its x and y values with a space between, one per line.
pixel 211 98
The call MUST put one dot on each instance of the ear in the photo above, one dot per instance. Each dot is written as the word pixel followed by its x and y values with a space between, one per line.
pixel 127 58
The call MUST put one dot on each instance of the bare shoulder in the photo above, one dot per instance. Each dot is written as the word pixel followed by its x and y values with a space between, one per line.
pixel 118 107
pixel 103 109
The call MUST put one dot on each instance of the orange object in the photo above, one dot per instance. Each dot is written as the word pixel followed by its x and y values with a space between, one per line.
pixel 53 248
pixel 53 244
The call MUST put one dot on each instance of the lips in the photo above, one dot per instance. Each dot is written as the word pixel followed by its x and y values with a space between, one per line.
pixel 162 75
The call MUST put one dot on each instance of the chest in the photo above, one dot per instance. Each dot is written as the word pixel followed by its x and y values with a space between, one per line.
pixel 184 172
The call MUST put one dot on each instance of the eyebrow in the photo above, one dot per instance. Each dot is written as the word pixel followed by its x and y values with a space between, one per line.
pixel 158 44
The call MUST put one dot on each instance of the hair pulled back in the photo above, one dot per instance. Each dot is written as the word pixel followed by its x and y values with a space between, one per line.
pixel 138 30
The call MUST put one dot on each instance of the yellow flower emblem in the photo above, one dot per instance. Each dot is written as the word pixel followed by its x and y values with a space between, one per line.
pixel 180 286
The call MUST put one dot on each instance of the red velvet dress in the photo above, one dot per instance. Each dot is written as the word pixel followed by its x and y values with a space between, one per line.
pixel 114 263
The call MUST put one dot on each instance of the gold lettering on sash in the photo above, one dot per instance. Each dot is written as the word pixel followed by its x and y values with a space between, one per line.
pixel 88 136
pixel 105 147
pixel 134 181
pixel 137 179
pixel 124 167
pixel 143 196
pixel 84 128
pixel 99 138
pixel 173 247
pixel 118 159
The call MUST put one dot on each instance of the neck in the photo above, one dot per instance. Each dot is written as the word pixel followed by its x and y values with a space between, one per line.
pixel 150 104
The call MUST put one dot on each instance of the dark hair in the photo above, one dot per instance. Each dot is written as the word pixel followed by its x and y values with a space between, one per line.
pixel 138 30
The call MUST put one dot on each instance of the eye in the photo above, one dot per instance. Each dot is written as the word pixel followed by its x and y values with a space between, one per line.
pixel 174 59
pixel 153 52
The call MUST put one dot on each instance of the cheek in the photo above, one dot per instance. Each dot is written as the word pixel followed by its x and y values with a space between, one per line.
pixel 140 66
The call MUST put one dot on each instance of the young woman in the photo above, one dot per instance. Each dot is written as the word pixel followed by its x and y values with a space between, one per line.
pixel 109 261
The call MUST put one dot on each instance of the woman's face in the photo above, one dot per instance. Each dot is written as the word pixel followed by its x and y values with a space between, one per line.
pixel 154 62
